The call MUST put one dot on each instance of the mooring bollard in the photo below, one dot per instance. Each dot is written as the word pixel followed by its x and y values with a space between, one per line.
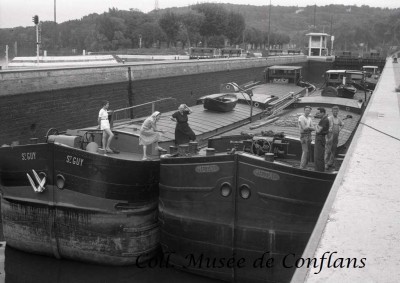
pixel 183 149
pixel 210 151
pixel 193 147
pixel 161 152
pixel 269 156
pixel 173 149
pixel 247 144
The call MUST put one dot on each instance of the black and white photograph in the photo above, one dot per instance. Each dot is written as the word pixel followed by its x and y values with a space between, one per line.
pixel 199 141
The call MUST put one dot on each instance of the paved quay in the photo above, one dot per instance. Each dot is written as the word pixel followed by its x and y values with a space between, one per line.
pixel 357 237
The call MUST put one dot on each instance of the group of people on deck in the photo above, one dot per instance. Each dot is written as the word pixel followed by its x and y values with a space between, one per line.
pixel 183 133
pixel 326 137
pixel 149 134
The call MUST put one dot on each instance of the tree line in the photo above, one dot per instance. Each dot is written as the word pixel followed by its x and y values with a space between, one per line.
pixel 211 25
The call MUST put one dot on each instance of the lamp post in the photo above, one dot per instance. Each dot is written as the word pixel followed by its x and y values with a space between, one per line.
pixel 269 23
pixel 6 57
pixel 35 20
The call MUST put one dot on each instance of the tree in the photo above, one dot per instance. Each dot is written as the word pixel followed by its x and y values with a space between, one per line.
pixel 235 27
pixel 253 36
pixel 215 21
pixel 344 36
pixel 169 23
pixel 190 25
pixel 105 26
pixel 151 33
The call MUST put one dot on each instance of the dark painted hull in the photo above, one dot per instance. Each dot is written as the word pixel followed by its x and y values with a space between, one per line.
pixel 370 83
pixel 220 104
pixel 106 211
pixel 205 216
pixel 346 92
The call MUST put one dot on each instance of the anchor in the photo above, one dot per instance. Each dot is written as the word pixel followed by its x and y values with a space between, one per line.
pixel 41 182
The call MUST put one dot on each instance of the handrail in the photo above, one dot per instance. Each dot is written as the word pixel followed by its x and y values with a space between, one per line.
pixel 113 113
pixel 151 102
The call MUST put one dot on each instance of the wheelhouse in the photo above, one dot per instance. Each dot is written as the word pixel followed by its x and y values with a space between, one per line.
pixel 283 74
pixel 371 71
pixel 342 77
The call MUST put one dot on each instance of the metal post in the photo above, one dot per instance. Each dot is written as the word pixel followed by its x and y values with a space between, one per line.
pixel 37 43
pixel 269 23
pixel 6 56
pixel 153 107
pixel 251 108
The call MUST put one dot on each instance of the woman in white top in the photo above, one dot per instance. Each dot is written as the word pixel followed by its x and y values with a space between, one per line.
pixel 149 133
pixel 104 125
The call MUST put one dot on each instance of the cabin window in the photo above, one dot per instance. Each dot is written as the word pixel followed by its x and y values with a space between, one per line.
pixel 334 76
pixel 356 76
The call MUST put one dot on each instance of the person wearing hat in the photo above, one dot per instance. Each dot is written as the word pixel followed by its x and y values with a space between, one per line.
pixel 149 133
pixel 332 138
pixel 320 135
pixel 306 126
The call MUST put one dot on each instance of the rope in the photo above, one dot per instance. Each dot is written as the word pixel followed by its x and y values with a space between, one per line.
pixel 393 137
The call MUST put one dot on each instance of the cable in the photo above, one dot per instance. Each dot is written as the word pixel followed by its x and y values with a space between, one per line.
pixel 380 131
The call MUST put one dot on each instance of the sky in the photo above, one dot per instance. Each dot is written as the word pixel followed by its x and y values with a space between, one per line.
pixel 15 13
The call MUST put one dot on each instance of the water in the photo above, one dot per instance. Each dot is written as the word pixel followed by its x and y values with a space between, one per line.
pixel 20 267
pixel 23 267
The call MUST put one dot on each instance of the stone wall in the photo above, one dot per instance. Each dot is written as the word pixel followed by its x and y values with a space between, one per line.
pixel 31 102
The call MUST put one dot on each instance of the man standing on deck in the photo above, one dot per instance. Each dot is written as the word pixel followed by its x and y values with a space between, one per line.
pixel 332 138
pixel 320 135
pixel 306 127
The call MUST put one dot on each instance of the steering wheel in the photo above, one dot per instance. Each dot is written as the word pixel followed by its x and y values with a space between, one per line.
pixel 260 147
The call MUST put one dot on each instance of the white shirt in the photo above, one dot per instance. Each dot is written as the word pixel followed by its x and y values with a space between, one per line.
pixel 305 122
pixel 103 114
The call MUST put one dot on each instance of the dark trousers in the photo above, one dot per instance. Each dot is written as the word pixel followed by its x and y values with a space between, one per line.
pixel 319 153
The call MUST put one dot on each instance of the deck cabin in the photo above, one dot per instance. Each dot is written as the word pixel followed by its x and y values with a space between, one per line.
pixel 342 77
pixel 283 74
pixel 317 44
pixel 371 71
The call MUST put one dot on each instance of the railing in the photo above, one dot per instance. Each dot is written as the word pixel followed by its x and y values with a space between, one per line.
pixel 127 112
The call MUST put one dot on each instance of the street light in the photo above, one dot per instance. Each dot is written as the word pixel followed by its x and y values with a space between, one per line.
pixel 269 24
pixel 35 20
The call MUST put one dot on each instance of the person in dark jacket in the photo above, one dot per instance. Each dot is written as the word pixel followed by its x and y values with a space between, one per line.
pixel 332 138
pixel 183 133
